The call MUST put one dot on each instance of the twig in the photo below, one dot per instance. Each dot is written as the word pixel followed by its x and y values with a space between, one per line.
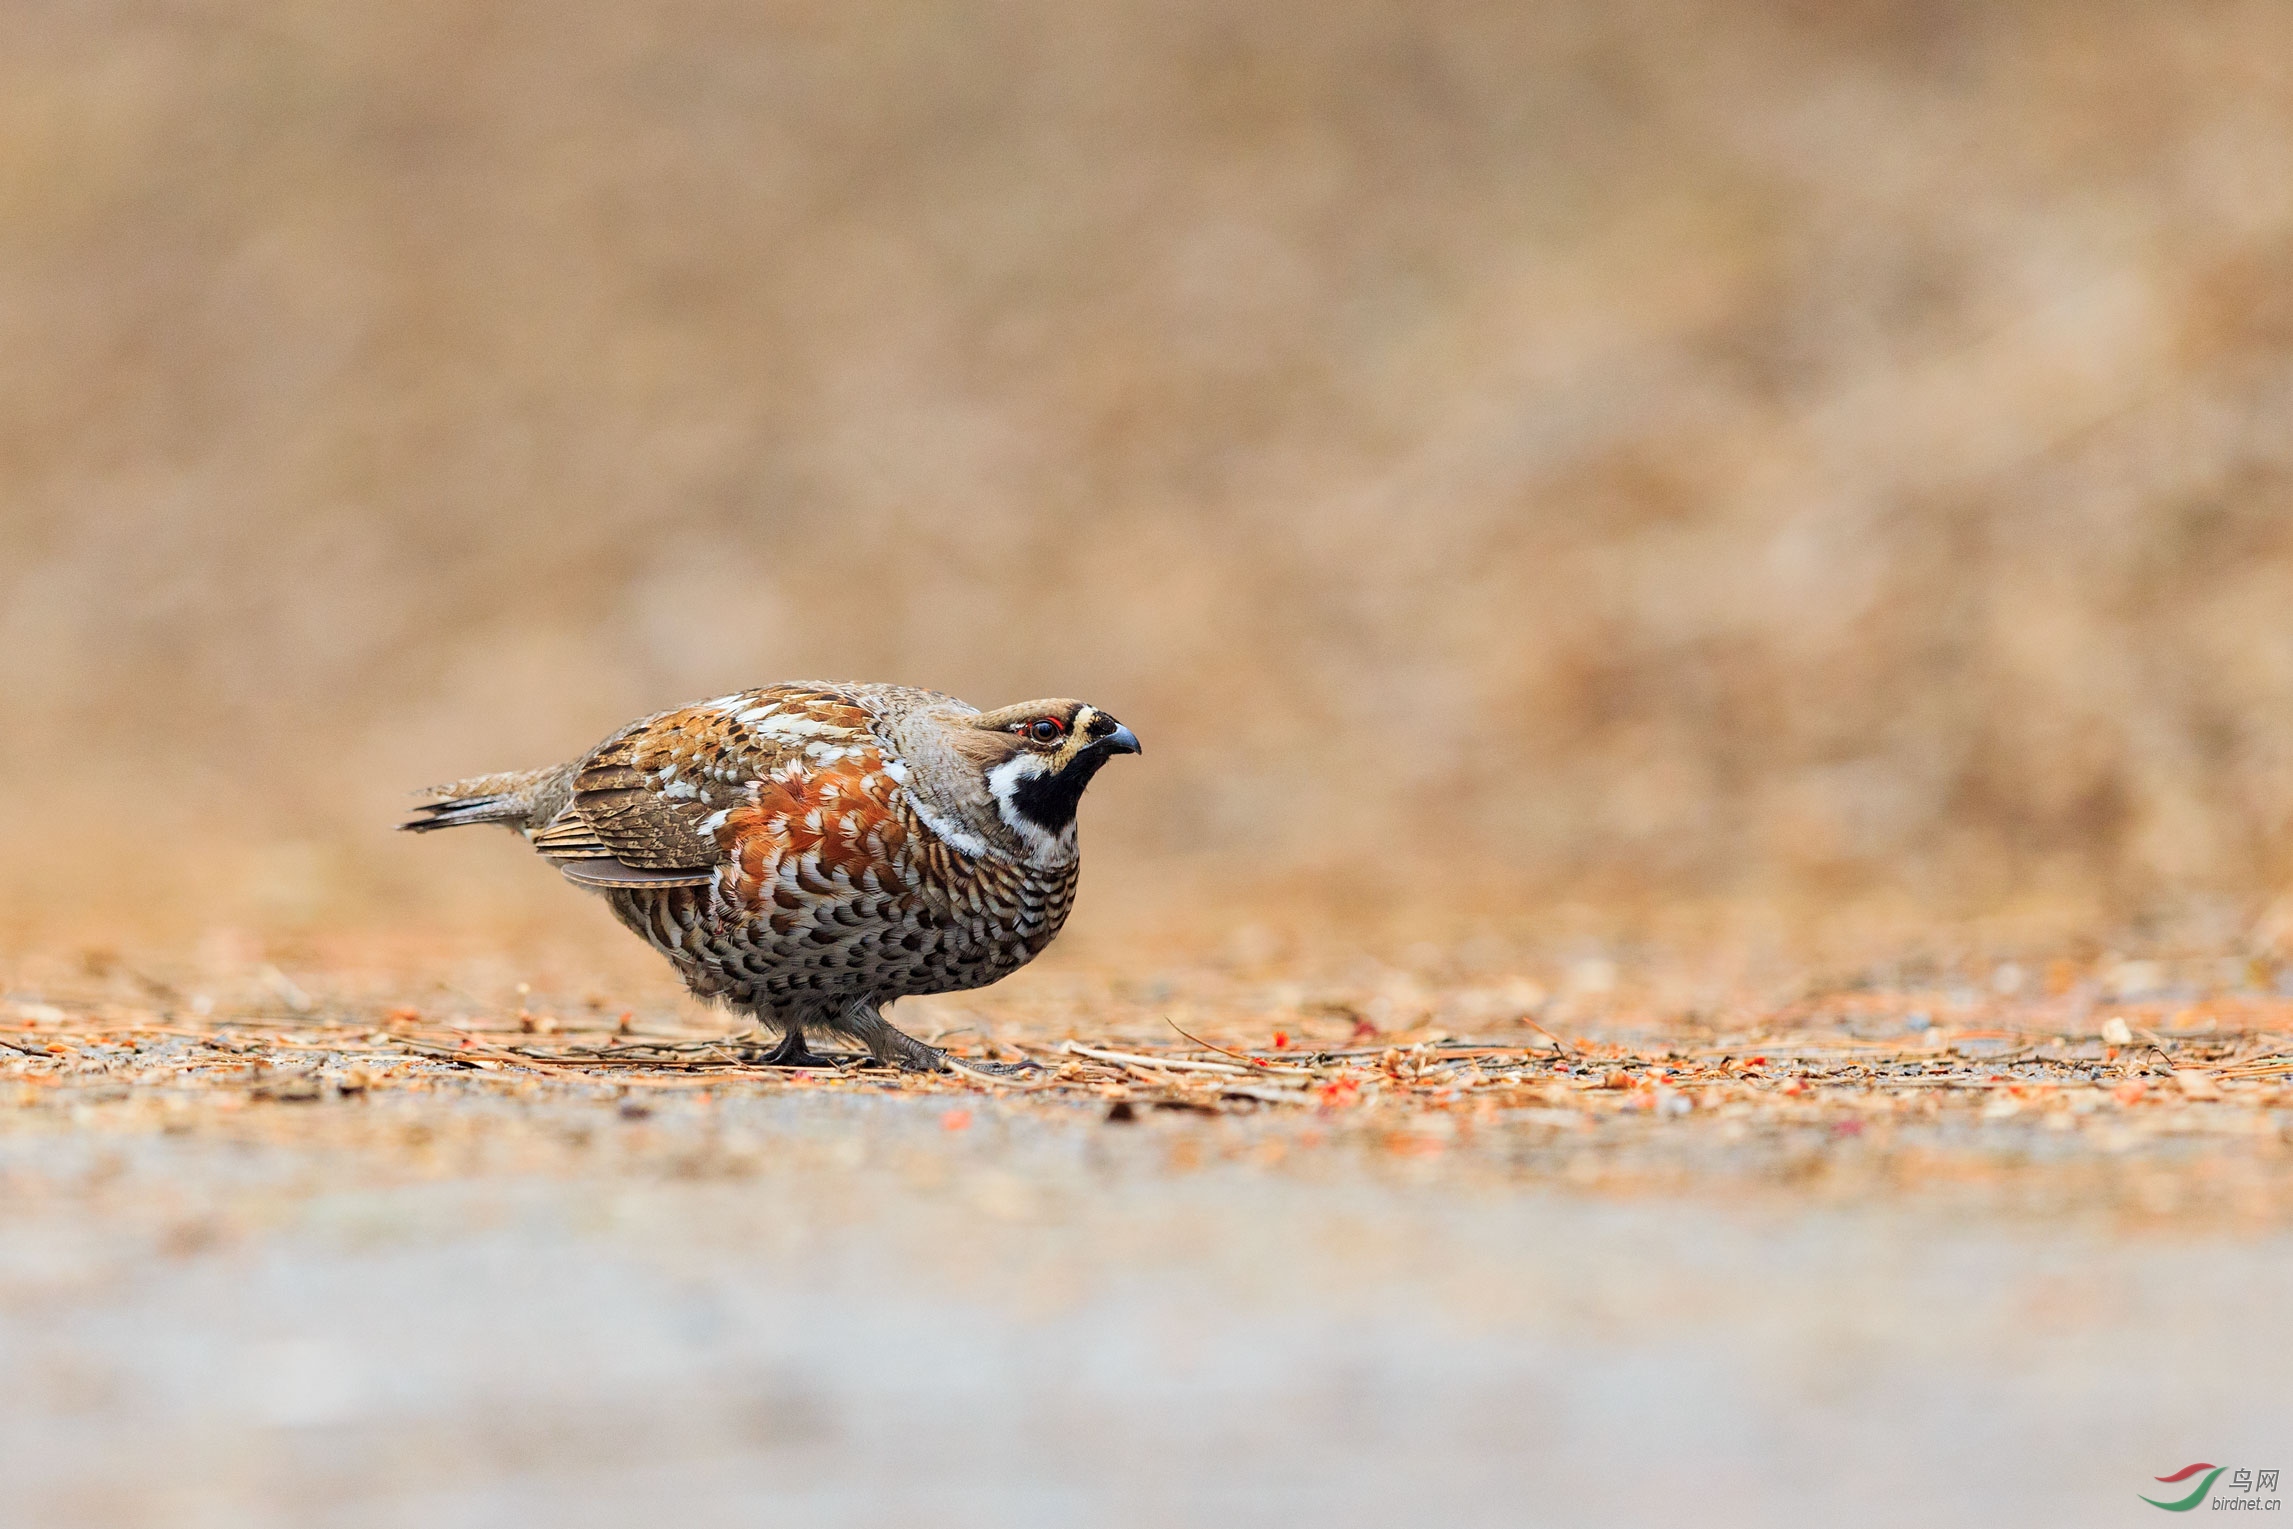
pixel 1256 1064
pixel 1185 1064
pixel 1205 1045
pixel 1262 1095
pixel 1565 1048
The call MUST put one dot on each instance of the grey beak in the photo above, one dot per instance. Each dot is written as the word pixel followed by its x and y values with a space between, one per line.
pixel 1121 741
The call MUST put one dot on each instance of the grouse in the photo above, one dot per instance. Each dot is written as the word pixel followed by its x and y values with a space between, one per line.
pixel 809 852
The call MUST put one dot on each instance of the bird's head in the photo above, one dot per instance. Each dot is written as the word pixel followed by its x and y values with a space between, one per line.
pixel 1035 758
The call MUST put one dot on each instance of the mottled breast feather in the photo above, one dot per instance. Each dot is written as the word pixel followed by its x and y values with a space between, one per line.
pixel 768 843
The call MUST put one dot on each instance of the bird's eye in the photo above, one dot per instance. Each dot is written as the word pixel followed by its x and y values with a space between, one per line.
pixel 1046 730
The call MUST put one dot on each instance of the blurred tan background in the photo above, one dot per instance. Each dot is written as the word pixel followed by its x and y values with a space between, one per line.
pixel 1602 453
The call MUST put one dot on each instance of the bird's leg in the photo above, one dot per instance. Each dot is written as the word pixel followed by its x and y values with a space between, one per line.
pixel 791 1051
pixel 894 1047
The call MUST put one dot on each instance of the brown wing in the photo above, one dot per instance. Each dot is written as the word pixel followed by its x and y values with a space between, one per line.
pixel 648 801
pixel 583 857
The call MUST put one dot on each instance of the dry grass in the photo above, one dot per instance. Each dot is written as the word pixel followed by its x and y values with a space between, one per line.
pixel 2135 1092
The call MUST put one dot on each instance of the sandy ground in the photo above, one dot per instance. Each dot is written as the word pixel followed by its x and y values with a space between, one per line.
pixel 1413 1247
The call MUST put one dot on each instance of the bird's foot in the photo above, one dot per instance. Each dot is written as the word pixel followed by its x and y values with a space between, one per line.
pixel 791 1052
pixel 992 1069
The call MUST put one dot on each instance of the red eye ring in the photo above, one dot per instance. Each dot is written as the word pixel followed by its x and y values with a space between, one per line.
pixel 1043 729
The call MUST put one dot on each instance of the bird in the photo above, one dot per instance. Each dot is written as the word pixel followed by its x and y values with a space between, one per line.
pixel 809 852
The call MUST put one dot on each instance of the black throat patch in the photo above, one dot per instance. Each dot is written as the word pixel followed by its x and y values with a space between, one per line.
pixel 1049 801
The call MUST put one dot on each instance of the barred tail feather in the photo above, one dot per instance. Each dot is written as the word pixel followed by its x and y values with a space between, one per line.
pixel 519 798
pixel 468 809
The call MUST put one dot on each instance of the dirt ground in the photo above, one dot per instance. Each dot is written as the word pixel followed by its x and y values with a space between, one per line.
pixel 389 1234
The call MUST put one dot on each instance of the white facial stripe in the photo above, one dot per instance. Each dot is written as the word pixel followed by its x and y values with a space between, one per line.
pixel 1004 779
pixel 1003 783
